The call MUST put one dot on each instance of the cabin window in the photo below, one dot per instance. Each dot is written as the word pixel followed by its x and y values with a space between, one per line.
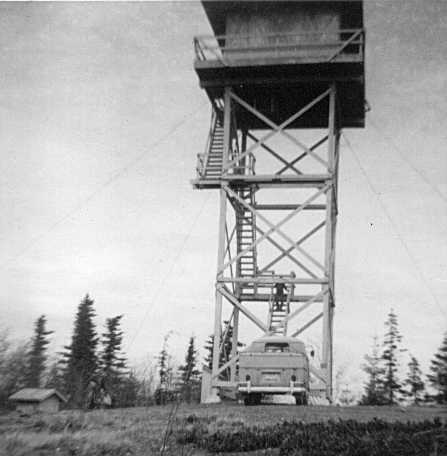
pixel 276 347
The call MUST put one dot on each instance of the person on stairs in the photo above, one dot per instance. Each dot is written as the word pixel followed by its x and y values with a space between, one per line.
pixel 280 296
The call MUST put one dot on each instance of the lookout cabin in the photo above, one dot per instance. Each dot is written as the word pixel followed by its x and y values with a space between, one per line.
pixel 31 400
pixel 276 51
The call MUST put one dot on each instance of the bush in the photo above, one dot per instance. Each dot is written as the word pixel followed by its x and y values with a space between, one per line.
pixel 332 438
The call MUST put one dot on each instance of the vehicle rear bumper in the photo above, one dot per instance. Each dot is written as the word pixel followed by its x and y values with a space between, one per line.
pixel 291 389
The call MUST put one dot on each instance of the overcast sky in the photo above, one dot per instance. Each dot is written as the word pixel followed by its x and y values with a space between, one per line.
pixel 101 118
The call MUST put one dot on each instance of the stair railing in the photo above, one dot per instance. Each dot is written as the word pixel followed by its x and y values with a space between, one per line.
pixel 202 158
pixel 271 300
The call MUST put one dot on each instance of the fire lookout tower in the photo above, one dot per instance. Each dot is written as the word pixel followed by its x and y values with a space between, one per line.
pixel 283 78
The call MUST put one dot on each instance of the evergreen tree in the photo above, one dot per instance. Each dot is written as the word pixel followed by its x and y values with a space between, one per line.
pixel 81 362
pixel 112 361
pixel 164 368
pixel 391 343
pixel 373 394
pixel 164 373
pixel 438 376
pixel 54 377
pixel 36 355
pixel 129 387
pixel 414 383
pixel 13 364
pixel 189 374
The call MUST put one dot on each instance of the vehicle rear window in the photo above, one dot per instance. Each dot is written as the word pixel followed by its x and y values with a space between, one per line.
pixel 276 347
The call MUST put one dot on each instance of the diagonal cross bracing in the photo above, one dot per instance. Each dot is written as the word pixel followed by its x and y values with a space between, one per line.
pixel 278 128
pixel 275 154
pixel 307 325
pixel 223 290
pixel 275 228
pixel 290 249
pixel 304 154
pixel 286 253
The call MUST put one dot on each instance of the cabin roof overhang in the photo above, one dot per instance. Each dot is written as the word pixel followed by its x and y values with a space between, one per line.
pixel 216 11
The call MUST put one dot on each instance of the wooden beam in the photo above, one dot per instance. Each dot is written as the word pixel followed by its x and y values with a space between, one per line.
pixel 278 128
pixel 226 366
pixel 275 279
pixel 275 154
pixel 286 253
pixel 221 240
pixel 314 179
pixel 304 154
pixel 315 298
pixel 307 325
pixel 288 207
pixel 226 293
pixel 317 373
pixel 275 228
pixel 300 241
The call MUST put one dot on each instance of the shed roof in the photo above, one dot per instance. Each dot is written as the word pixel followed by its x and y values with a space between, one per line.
pixel 36 395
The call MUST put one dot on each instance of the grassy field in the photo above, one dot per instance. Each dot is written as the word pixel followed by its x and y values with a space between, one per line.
pixel 142 431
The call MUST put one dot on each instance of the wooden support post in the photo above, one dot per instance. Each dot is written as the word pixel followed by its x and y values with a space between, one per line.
pixel 237 286
pixel 222 239
pixel 328 303
pixel 234 343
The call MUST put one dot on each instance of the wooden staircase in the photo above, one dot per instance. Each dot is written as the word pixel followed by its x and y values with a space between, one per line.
pixel 277 315
pixel 246 236
pixel 210 163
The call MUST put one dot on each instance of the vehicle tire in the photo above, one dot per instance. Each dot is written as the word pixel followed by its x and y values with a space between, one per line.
pixel 252 399
pixel 248 399
pixel 300 399
pixel 305 399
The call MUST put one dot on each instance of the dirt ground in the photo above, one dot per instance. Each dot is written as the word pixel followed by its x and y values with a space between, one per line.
pixel 141 431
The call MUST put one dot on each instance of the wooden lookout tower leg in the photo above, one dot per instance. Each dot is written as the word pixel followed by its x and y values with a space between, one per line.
pixel 221 253
pixel 331 220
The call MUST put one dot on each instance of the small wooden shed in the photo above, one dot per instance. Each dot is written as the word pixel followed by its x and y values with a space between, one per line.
pixel 31 400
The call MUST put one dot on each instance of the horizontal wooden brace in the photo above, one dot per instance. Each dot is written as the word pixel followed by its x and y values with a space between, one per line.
pixel 274 81
pixel 269 280
pixel 286 207
pixel 316 179
pixel 265 297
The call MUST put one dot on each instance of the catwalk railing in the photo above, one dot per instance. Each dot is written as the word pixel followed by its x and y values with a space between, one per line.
pixel 345 45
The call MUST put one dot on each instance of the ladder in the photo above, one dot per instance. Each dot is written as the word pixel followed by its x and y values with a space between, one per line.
pixel 276 316
pixel 212 160
pixel 246 236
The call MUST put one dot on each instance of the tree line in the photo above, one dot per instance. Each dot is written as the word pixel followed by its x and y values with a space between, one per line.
pixel 383 368
pixel 92 371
